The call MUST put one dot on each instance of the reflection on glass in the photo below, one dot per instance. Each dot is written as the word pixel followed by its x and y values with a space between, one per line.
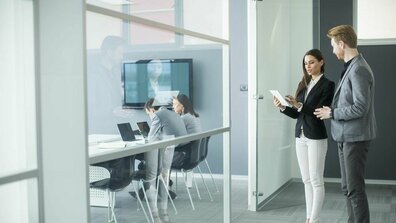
pixel 99 26
pixel 141 35
pixel 129 209
pixel 120 67
pixel 115 5
pixel 19 202
pixel 17 87
pixel 162 11
pixel 214 23
pixel 156 10
pixel 182 14
pixel 105 90
pixel 107 82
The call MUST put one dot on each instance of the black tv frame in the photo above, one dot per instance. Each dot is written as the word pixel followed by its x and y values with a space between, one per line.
pixel 140 105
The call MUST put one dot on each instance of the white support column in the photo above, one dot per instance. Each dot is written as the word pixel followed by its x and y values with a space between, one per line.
pixel 252 104
pixel 226 136
pixel 62 110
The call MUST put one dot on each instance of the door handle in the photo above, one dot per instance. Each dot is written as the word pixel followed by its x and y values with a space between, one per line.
pixel 258 97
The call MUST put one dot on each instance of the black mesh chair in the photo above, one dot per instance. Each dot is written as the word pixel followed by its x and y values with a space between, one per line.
pixel 204 154
pixel 122 172
pixel 188 165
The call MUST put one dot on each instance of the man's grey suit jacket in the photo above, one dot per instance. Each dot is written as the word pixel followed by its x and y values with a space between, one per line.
pixel 353 104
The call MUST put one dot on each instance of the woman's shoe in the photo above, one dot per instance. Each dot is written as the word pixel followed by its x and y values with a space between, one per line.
pixel 157 219
pixel 164 216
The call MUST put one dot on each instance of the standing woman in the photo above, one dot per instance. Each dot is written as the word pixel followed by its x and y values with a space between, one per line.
pixel 313 91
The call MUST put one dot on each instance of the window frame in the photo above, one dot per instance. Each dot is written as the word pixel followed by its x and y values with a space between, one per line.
pixel 368 42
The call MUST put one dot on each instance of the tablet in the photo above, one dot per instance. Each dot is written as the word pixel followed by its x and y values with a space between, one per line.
pixel 282 100
pixel 164 98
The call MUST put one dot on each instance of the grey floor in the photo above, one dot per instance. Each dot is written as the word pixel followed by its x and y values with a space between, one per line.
pixel 288 206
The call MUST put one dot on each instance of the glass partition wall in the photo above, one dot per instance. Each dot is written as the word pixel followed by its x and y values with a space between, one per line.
pixel 18 146
pixel 123 40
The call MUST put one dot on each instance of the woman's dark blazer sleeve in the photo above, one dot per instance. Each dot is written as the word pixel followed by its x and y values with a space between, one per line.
pixel 320 95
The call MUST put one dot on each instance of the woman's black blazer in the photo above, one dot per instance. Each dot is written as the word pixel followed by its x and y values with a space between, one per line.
pixel 320 95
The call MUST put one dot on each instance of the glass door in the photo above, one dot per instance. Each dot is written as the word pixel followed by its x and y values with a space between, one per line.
pixel 282 34
pixel 274 130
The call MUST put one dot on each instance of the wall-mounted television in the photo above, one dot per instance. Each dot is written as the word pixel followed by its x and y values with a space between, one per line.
pixel 143 79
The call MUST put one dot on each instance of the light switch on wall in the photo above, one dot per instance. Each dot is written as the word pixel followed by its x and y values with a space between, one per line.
pixel 243 87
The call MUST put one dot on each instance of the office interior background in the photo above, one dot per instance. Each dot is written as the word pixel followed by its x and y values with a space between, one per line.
pixel 50 48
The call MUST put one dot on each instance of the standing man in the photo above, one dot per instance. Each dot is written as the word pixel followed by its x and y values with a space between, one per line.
pixel 353 123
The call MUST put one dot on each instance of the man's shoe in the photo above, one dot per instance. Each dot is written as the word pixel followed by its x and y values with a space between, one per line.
pixel 141 194
pixel 172 194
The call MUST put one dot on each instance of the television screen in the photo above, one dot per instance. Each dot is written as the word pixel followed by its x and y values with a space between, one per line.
pixel 144 79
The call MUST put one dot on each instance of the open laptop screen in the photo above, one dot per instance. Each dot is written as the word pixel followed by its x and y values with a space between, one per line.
pixel 144 128
pixel 126 132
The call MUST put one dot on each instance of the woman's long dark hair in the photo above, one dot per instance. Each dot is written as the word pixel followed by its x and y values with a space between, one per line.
pixel 185 101
pixel 306 77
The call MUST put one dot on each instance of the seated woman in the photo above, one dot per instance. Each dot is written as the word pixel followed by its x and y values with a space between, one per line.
pixel 182 105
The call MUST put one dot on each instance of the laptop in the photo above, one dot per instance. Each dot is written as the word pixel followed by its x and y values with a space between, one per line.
pixel 126 132
pixel 144 128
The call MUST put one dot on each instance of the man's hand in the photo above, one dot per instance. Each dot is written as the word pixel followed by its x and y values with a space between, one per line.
pixel 323 113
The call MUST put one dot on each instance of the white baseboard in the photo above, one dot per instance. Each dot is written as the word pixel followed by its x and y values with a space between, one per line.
pixel 327 180
pixel 368 181
pixel 215 176
pixel 240 177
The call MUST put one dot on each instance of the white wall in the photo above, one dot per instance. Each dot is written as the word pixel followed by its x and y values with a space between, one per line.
pixel 239 99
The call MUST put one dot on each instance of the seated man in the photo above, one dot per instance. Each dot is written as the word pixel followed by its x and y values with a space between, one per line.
pixel 163 123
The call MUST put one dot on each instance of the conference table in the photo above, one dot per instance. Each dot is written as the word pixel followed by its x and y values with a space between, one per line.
pixel 105 147
pixel 100 152
pixel 100 144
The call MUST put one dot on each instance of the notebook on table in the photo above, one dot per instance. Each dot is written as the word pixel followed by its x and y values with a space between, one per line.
pixel 144 128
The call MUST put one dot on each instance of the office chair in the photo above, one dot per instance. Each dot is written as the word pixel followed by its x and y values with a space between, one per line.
pixel 188 165
pixel 204 154
pixel 122 172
